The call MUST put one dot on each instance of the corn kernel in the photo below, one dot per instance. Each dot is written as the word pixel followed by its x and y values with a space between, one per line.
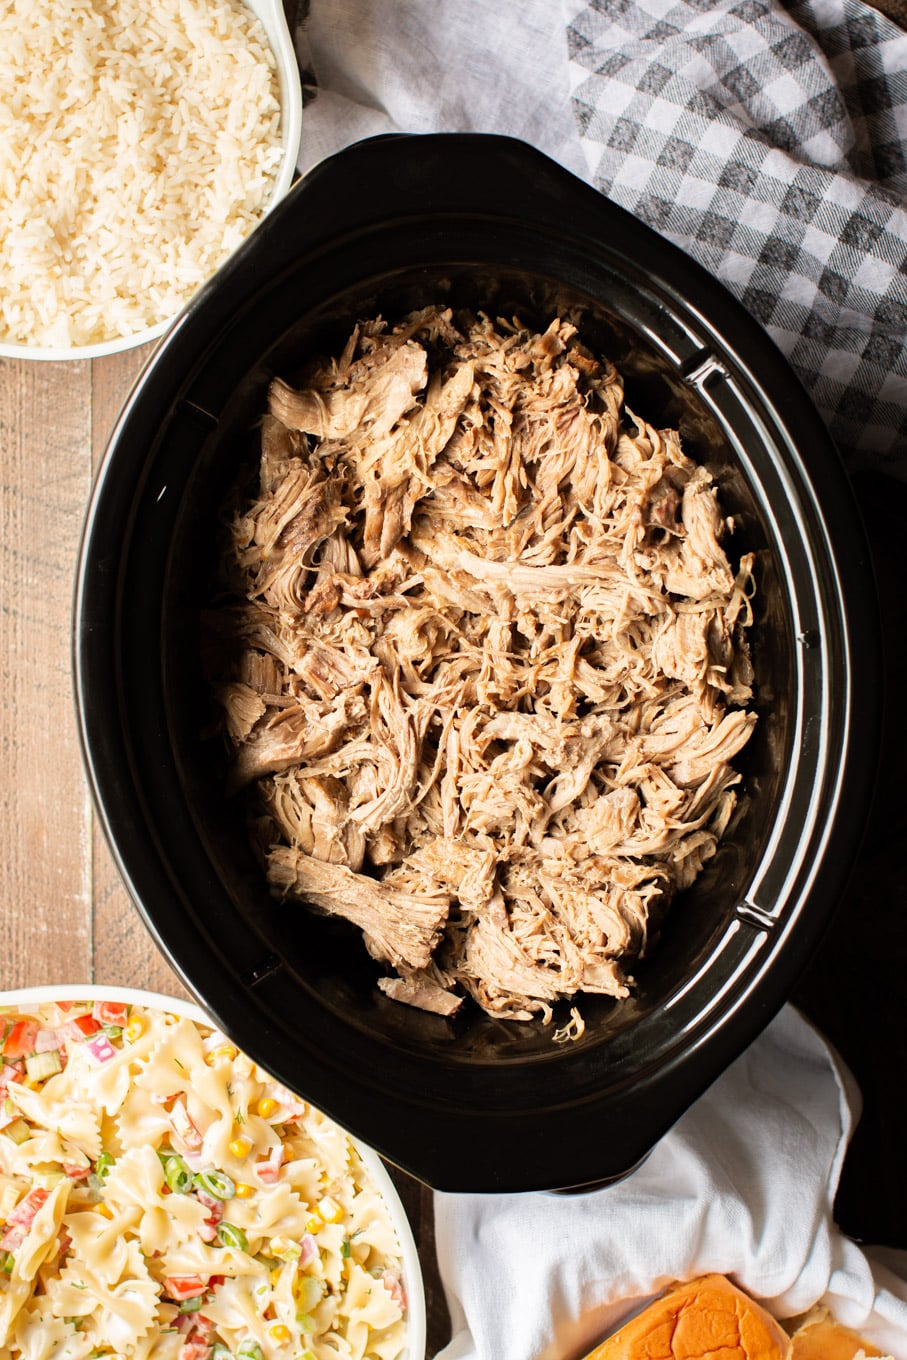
pixel 103 1210
pixel 313 1223
pixel 241 1147
pixel 135 1029
pixel 266 1107
pixel 226 1053
pixel 330 1210
pixel 279 1333
pixel 244 1191
pixel 274 1277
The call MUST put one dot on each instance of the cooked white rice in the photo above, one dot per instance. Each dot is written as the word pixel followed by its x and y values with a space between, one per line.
pixel 139 144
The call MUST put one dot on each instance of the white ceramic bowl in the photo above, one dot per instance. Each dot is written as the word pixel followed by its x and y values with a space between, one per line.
pixel 412 1271
pixel 273 18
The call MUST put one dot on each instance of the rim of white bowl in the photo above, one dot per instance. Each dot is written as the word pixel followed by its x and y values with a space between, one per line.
pixel 138 996
pixel 273 19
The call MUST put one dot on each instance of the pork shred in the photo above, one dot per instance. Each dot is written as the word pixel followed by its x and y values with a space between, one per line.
pixel 486 672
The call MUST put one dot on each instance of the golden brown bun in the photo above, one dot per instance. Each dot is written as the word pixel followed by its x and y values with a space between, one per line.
pixel 706 1319
pixel 819 1337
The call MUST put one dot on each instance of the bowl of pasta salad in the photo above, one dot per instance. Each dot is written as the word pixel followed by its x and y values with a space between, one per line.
pixel 162 1197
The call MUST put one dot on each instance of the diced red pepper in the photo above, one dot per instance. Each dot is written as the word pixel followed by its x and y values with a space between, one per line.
pixel 75 1171
pixel 82 1027
pixel 195 1349
pixel 21 1218
pixel 21 1039
pixel 208 1230
pixel 181 1287
pixel 111 1012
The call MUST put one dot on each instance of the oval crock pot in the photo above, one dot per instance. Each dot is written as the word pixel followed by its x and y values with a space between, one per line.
pixel 473 1103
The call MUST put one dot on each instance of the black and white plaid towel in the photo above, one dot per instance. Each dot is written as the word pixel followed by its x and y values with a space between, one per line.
pixel 768 141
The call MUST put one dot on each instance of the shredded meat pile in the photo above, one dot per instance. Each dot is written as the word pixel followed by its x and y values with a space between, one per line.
pixel 488 672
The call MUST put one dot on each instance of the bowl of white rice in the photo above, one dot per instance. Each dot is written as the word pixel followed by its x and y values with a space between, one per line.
pixel 139 146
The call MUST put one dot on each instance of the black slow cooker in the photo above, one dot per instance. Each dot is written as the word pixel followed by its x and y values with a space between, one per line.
pixel 472 1103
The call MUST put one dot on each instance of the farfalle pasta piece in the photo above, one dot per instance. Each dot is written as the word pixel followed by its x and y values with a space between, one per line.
pixel 38 1334
pixel 158 1345
pixel 40 1238
pixel 142 1121
pixel 13 1298
pixel 176 1065
pixel 72 1120
pixel 304 1174
pixel 120 1312
pixel 136 1181
pixel 195 1257
pixel 371 1232
pixel 275 1211
pixel 369 1301
pixel 102 1242
pixel 110 1078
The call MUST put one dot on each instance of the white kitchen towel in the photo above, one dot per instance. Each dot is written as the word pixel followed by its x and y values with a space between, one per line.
pixel 767 140
pixel 744 1185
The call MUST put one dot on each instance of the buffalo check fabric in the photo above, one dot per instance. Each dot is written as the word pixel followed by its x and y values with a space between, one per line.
pixel 769 144
pixel 767 141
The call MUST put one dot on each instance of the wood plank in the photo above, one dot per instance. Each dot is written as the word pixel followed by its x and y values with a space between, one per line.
pixel 45 924
pixel 125 954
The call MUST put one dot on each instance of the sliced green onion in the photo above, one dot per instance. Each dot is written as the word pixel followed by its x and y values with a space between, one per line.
pixel 305 1322
pixel 229 1235
pixel 177 1174
pixel 41 1065
pixel 345 1249
pixel 221 1352
pixel 192 1305
pixel 249 1350
pixel 7 1261
pixel 215 1183
pixel 113 1031
pixel 103 1165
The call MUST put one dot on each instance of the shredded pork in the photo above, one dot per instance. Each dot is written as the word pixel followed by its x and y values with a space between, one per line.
pixel 488 671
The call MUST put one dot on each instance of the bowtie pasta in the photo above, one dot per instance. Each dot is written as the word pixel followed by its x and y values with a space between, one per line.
pixel 163 1198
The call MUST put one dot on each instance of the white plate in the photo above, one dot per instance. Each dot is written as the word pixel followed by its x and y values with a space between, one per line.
pixel 412 1270
pixel 271 13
